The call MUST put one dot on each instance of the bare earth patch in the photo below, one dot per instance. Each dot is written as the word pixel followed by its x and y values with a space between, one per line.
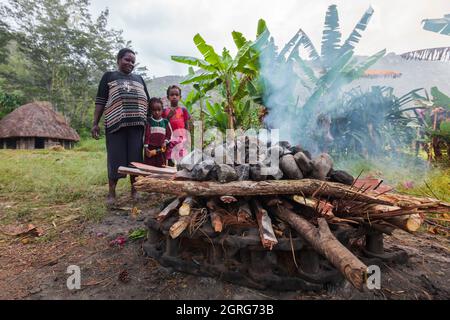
pixel 37 270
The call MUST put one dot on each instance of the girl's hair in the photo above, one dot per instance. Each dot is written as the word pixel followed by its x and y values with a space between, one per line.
pixel 173 87
pixel 153 101
pixel 122 52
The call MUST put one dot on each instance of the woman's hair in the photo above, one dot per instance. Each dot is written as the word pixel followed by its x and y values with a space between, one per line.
pixel 153 101
pixel 173 87
pixel 122 52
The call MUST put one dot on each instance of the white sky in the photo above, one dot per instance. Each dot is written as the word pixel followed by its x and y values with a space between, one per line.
pixel 159 29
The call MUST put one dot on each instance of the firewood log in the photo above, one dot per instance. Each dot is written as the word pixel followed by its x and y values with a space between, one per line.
pixel 324 242
pixel 251 188
pixel 266 232
pixel 321 206
pixel 185 208
pixel 409 223
pixel 178 227
pixel 167 210
pixel 215 214
pixel 152 169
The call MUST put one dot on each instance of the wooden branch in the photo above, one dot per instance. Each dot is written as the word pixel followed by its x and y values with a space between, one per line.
pixel 152 169
pixel 266 233
pixel 322 207
pixel 252 188
pixel 186 206
pixel 167 210
pixel 244 212
pixel 324 242
pixel 178 227
pixel 409 223
pixel 216 217
pixel 142 173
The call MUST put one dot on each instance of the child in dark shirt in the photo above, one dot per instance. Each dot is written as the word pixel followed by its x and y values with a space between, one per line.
pixel 158 133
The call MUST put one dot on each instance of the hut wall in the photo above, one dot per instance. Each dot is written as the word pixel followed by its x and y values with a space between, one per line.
pixel 25 143
pixel 51 142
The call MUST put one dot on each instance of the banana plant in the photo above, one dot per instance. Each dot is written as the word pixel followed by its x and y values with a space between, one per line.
pixel 323 75
pixel 223 70
pixel 433 115
pixel 371 122
pixel 440 26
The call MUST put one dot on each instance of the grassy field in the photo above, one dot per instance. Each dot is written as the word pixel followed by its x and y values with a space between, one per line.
pixel 51 186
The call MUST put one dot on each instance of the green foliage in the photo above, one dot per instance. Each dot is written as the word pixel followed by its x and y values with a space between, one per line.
pixel 8 102
pixel 58 53
pixel 440 99
pixel 371 123
pixel 441 25
pixel 137 234
pixel 229 75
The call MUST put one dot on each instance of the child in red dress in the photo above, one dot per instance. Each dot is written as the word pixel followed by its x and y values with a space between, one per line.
pixel 179 121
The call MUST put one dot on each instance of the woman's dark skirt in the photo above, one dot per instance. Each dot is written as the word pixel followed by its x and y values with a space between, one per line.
pixel 123 147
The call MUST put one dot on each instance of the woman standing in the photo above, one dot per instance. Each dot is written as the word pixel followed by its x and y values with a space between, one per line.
pixel 123 98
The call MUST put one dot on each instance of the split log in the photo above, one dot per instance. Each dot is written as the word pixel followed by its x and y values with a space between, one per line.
pixel 178 227
pixel 153 169
pixel 142 173
pixel 307 187
pixel 266 233
pixel 322 207
pixel 186 206
pixel 216 217
pixel 244 212
pixel 167 210
pixel 324 242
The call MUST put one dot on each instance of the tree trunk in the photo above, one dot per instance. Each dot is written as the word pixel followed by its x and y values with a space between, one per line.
pixel 230 106
pixel 324 242
pixel 307 187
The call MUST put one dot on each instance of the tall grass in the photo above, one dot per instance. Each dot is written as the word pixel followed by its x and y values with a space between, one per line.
pixel 408 175
pixel 35 180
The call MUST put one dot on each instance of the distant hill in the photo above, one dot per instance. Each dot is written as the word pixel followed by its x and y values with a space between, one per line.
pixel 157 87
pixel 415 74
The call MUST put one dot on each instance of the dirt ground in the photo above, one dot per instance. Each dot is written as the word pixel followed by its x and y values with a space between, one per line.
pixel 37 270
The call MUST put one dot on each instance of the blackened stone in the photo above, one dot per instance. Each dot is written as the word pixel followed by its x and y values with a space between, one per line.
pixel 278 175
pixel 276 151
pixel 296 149
pixel 284 144
pixel 189 161
pixel 225 173
pixel 202 170
pixel 255 172
pixel 184 174
pixel 303 162
pixel 243 172
pixel 290 168
pixel 341 176
pixel 322 165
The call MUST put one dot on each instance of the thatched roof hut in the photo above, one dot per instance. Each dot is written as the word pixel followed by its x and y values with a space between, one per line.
pixel 36 126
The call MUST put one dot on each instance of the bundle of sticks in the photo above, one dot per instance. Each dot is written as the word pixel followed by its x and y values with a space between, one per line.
pixel 309 206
